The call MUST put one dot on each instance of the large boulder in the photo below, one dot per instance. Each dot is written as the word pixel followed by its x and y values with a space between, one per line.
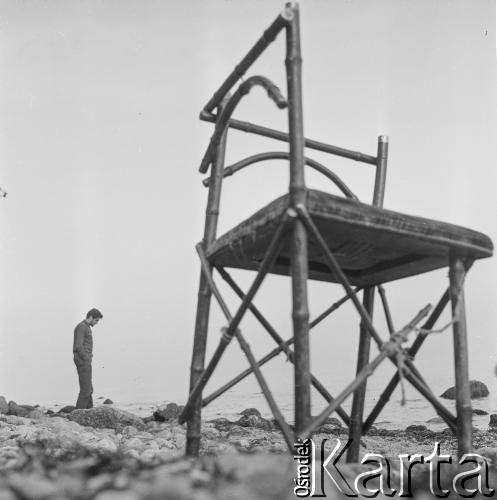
pixel 4 407
pixel 168 412
pixel 19 410
pixel 477 390
pixel 493 420
pixel 106 417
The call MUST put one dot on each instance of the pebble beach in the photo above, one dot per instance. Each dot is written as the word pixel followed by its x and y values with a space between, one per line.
pixel 106 453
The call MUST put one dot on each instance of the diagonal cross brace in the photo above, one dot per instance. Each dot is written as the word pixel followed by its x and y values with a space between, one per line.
pixel 388 349
pixel 281 343
pixel 234 321
pixel 412 351
pixel 409 370
pixel 272 354
pixel 287 433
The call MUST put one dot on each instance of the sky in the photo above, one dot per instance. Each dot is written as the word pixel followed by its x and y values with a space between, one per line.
pixel 100 145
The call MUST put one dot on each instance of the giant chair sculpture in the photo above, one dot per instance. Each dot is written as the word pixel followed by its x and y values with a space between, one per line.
pixel 308 234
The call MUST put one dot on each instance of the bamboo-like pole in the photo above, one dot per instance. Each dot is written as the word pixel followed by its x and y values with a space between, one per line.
pixel 298 244
pixel 333 308
pixel 272 354
pixel 365 372
pixel 361 376
pixel 287 433
pixel 457 274
pixel 412 351
pixel 252 128
pixel 278 416
pixel 386 309
pixel 273 93
pixel 266 263
pixel 282 155
pixel 203 303
pixel 357 410
pixel 381 171
pixel 338 273
pixel 268 36
pixel 281 343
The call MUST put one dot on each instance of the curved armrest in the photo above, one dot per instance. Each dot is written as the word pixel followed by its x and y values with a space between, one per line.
pixel 280 155
pixel 273 93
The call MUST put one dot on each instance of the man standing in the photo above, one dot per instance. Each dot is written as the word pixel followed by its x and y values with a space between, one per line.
pixel 83 354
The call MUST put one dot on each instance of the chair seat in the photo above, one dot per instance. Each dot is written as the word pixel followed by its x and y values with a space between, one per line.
pixel 371 244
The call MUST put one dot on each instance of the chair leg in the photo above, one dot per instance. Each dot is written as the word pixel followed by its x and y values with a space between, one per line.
pixel 300 316
pixel 463 397
pixel 193 431
pixel 357 412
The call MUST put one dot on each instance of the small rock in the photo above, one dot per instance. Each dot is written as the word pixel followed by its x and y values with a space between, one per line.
pixel 211 433
pixel 169 412
pixel 179 441
pixel 222 424
pixel 148 455
pixel 13 420
pixel 129 431
pixel 477 411
pixel 435 420
pixel 108 402
pixel 477 390
pixel 493 420
pixel 19 410
pixel 134 443
pixel 4 407
pixel 250 411
pixel 165 434
pixel 416 428
pixel 253 420
pixel 67 409
pixel 107 444
pixel 36 414
pixel 106 417
pixel 331 426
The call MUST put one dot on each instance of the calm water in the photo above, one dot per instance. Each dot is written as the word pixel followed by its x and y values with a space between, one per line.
pixel 394 416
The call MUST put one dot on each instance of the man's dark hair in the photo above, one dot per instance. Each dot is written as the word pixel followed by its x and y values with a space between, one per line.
pixel 94 313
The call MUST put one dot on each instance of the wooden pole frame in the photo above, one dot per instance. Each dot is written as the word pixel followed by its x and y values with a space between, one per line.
pixel 297 226
pixel 366 320
pixel 266 263
pixel 457 273
pixel 287 432
pixel 282 344
pixel 413 350
pixel 272 354
pixel 204 299
pixel 281 155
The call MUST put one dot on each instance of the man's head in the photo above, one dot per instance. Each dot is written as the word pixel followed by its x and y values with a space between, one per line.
pixel 93 316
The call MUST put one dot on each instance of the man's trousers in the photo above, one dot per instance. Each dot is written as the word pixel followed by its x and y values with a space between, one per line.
pixel 85 399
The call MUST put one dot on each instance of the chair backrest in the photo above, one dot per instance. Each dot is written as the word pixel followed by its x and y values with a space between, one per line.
pixel 225 104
